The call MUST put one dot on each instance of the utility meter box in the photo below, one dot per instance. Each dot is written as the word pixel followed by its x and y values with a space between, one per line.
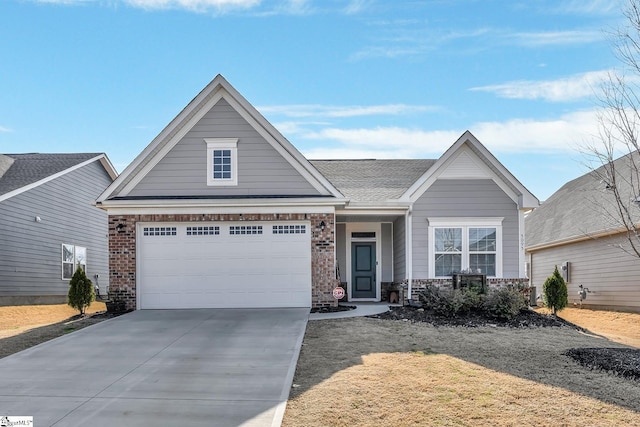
pixel 566 271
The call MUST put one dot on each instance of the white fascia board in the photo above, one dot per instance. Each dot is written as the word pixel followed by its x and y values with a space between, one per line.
pixel 132 168
pixel 220 210
pixel 168 146
pixel 199 204
pixel 468 221
pixel 283 146
pixel 219 88
pixel 52 177
pixel 435 175
pixel 524 200
pixel 108 166
pixel 373 212
pixel 383 204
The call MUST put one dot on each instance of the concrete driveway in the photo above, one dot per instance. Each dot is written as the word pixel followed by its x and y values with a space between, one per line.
pixel 206 367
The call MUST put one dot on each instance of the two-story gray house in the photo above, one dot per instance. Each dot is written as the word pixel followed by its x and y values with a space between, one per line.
pixel 221 210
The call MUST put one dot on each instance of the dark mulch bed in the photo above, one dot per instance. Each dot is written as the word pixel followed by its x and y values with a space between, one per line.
pixel 332 309
pixel 624 362
pixel 526 318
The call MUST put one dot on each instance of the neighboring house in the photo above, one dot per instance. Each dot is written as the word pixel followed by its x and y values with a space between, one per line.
pixel 49 224
pixel 578 229
pixel 220 210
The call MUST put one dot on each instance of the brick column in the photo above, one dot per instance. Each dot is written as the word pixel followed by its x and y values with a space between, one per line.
pixel 323 273
pixel 122 259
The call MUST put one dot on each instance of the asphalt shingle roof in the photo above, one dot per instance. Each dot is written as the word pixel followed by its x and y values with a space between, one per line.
pixel 30 168
pixel 373 180
pixel 582 207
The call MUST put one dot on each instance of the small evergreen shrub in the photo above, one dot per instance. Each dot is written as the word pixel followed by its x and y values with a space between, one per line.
pixel 554 292
pixel 81 293
pixel 504 303
pixel 450 302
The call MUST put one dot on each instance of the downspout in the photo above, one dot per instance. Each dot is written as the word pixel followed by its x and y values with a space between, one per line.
pixel 409 250
pixel 521 253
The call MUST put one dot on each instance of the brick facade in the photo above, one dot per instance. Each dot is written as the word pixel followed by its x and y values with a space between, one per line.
pixel 419 285
pixel 122 250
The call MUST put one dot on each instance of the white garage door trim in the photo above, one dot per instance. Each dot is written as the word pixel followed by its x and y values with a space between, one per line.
pixel 223 264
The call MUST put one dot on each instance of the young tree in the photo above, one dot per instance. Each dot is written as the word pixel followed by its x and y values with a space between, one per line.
pixel 81 293
pixel 614 156
pixel 554 292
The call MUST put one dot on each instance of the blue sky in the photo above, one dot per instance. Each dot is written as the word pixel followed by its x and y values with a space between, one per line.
pixel 339 78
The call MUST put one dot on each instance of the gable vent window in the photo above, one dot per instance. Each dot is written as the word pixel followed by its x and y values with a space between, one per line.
pixel 159 231
pixel 221 164
pixel 203 231
pixel 245 229
pixel 222 161
pixel 289 229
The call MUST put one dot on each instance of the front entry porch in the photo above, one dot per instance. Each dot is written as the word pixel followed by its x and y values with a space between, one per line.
pixel 366 250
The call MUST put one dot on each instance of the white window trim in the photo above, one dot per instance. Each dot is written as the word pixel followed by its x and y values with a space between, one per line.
pixel 222 144
pixel 465 224
pixel 75 260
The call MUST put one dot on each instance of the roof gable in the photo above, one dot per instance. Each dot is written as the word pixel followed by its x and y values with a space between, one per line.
pixel 467 158
pixel 219 89
pixel 27 171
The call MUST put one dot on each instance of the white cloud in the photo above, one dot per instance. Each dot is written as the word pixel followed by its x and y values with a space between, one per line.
pixel 64 2
pixel 5 129
pixel 561 90
pixel 555 38
pixel 194 5
pixel 564 134
pixel 324 111
pixel 588 7
pixel 356 6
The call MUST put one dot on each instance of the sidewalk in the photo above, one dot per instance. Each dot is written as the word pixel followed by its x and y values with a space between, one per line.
pixel 362 309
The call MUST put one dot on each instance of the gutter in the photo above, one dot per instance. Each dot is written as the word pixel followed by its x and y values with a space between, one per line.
pixel 576 239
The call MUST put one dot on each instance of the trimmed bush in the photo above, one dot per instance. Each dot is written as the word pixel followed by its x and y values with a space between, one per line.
pixel 554 292
pixel 450 303
pixel 81 293
pixel 504 303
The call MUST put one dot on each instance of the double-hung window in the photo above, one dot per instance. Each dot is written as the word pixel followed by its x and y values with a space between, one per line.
pixel 222 161
pixel 72 258
pixel 465 244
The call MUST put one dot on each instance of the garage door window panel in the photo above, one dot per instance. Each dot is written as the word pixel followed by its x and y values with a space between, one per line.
pixel 159 231
pixel 290 229
pixel 245 229
pixel 203 231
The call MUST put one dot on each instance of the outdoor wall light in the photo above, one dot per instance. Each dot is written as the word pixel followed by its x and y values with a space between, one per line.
pixel 322 225
pixel 120 228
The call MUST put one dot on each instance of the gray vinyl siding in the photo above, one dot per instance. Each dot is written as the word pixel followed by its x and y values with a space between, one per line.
pixel 399 250
pixel 387 252
pixel 341 250
pixel 31 252
pixel 467 198
pixel 261 169
pixel 609 272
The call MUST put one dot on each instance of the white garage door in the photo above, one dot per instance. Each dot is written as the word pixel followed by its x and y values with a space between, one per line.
pixel 223 264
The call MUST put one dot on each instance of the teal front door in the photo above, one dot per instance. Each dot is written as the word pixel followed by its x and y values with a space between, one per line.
pixel 363 270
